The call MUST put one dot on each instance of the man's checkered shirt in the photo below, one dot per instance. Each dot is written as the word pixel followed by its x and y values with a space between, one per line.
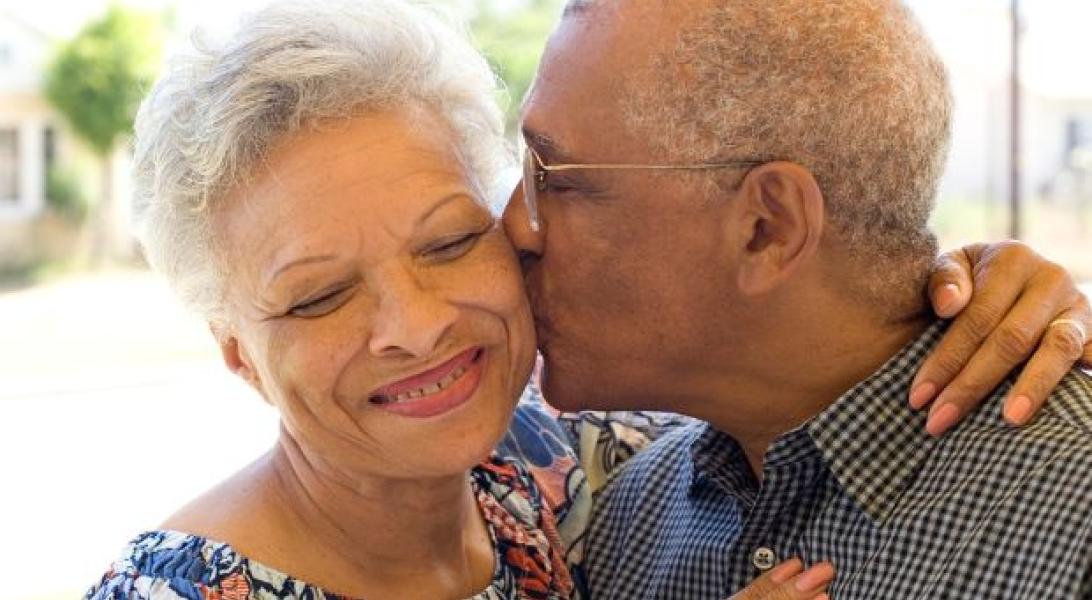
pixel 987 511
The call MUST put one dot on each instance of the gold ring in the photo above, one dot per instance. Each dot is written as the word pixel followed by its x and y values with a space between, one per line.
pixel 1079 326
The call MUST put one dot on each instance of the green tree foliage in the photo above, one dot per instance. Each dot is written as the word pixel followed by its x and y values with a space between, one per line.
pixel 512 36
pixel 96 81
pixel 99 77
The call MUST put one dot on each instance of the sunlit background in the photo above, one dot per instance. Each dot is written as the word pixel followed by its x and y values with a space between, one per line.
pixel 113 407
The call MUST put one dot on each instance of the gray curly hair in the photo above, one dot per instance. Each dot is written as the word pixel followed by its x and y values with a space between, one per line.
pixel 219 108
pixel 852 90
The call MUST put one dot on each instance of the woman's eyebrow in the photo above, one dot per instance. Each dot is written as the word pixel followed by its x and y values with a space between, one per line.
pixel 307 260
pixel 453 197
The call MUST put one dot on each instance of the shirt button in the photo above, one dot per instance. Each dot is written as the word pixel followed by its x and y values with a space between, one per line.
pixel 764 559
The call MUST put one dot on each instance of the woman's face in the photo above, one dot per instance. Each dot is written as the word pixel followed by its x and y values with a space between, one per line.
pixel 374 300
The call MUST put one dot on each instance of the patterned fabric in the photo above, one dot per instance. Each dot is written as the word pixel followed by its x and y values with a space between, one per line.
pixel 987 511
pixel 168 565
pixel 570 456
pixel 536 494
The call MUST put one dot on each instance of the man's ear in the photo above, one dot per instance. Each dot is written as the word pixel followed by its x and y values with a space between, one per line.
pixel 783 216
pixel 235 356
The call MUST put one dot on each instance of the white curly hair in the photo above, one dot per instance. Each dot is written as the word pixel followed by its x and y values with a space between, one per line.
pixel 222 104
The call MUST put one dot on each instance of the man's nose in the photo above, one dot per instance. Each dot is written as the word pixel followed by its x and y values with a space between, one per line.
pixel 411 319
pixel 528 242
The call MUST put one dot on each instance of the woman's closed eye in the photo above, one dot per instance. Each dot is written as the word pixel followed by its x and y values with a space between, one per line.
pixel 452 247
pixel 322 304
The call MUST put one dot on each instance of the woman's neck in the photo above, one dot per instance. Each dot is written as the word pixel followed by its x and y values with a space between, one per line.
pixel 349 533
pixel 377 535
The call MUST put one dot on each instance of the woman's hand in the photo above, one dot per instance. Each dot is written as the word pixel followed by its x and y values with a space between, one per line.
pixel 789 581
pixel 1004 298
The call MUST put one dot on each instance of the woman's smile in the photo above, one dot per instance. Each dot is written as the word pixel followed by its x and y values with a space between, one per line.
pixel 436 391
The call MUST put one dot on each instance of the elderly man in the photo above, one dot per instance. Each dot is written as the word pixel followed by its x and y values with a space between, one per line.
pixel 726 217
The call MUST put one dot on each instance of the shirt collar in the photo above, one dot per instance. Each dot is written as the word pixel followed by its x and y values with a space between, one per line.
pixel 717 458
pixel 871 440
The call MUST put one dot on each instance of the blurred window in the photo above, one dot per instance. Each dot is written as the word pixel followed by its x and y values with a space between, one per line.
pixel 9 165
pixel 49 147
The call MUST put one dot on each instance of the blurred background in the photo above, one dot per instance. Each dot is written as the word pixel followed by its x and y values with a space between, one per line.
pixel 105 382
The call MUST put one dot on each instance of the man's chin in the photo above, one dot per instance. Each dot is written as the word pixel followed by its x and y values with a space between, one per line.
pixel 560 392
pixel 570 392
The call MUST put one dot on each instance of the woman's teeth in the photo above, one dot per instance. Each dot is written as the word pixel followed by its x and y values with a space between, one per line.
pixel 428 390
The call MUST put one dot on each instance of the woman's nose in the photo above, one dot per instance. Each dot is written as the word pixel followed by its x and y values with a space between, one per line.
pixel 410 320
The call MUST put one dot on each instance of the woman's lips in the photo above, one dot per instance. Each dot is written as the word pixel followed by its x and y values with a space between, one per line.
pixel 435 391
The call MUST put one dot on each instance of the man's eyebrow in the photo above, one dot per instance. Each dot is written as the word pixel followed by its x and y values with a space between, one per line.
pixel 546 146
pixel 576 8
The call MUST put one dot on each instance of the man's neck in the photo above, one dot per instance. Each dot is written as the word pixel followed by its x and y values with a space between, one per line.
pixel 794 366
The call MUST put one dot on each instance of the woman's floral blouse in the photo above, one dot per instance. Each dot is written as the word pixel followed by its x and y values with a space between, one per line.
pixel 535 494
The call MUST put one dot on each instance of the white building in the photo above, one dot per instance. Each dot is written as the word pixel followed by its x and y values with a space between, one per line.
pixel 28 143
pixel 1056 95
pixel 34 139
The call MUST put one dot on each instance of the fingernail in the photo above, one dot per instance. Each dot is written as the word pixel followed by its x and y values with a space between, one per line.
pixel 1018 410
pixel 786 571
pixel 922 394
pixel 815 577
pixel 942 419
pixel 947 297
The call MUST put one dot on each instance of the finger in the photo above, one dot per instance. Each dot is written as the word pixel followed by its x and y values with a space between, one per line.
pixel 814 581
pixel 950 283
pixel 1010 344
pixel 1086 357
pixel 789 581
pixel 769 582
pixel 1063 343
pixel 991 299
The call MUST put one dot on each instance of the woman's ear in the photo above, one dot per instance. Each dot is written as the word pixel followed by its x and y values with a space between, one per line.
pixel 235 356
pixel 783 218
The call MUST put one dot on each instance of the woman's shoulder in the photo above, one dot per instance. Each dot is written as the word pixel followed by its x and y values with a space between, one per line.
pixel 171 565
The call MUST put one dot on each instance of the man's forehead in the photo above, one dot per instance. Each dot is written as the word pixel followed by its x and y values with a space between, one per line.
pixel 669 10
pixel 599 50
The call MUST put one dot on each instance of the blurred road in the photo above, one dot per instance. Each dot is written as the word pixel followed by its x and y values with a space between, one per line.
pixel 114 411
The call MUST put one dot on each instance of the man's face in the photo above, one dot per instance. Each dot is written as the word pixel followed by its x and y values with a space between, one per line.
pixel 627 272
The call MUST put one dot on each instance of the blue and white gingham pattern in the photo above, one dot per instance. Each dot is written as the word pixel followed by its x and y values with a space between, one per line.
pixel 988 511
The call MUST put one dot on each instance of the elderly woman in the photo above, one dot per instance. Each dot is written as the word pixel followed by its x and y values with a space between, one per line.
pixel 315 187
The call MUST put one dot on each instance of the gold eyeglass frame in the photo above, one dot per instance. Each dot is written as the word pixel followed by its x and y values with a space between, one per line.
pixel 537 174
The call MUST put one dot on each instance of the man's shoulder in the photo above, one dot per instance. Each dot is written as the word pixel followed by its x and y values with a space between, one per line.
pixel 1064 422
pixel 1046 461
pixel 668 457
pixel 1067 412
pixel 1070 404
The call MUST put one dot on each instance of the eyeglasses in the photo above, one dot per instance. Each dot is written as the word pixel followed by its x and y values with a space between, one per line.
pixel 535 173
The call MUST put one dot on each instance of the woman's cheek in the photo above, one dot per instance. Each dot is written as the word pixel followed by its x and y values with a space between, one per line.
pixel 313 353
pixel 500 268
